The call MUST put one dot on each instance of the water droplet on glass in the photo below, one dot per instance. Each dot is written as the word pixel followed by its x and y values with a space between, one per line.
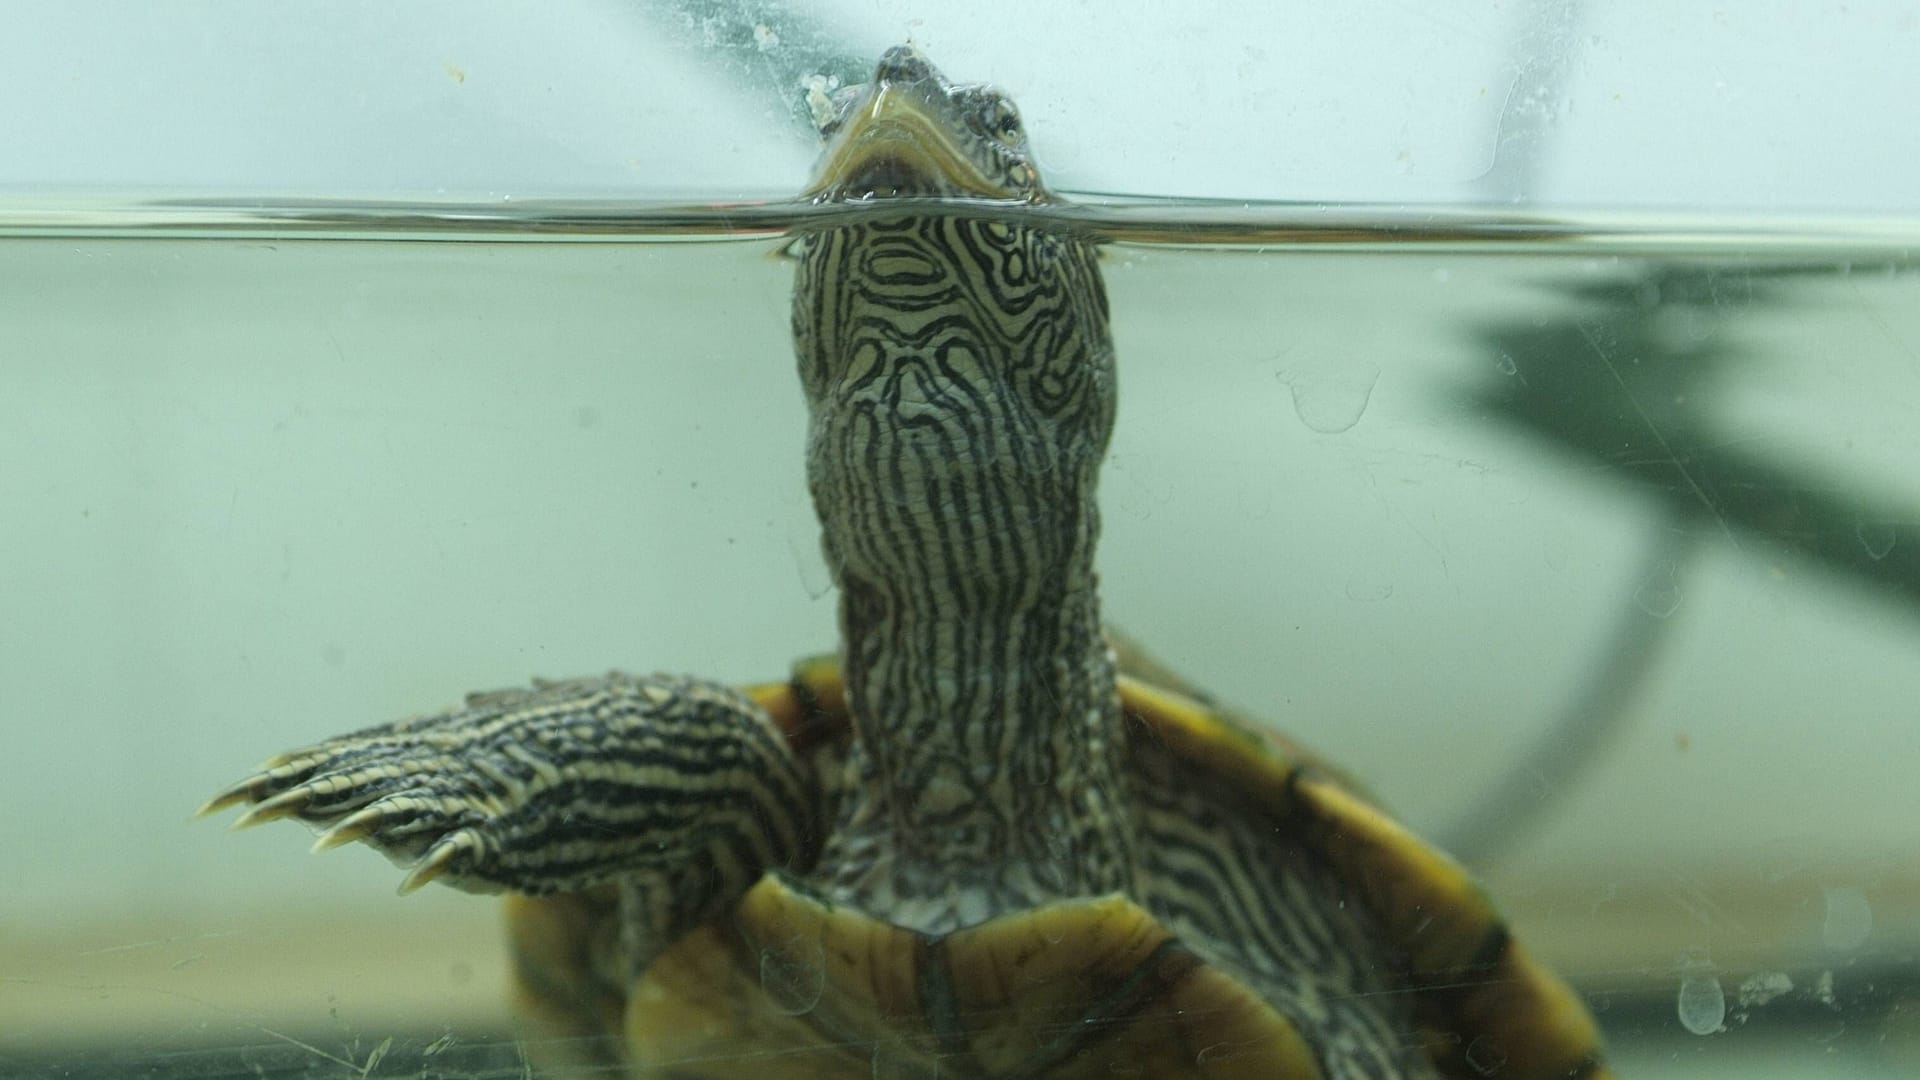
pixel 1756 990
pixel 1877 537
pixel 1368 592
pixel 1702 1005
pixel 1659 595
pixel 1823 990
pixel 802 531
pixel 1484 1056
pixel 1220 1053
pixel 1849 919
pixel 794 977
pixel 898 1061
pixel 1331 396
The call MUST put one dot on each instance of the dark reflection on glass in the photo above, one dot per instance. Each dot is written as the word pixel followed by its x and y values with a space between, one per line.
pixel 1629 382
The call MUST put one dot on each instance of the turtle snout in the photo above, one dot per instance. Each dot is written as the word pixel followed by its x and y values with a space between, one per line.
pixel 902 64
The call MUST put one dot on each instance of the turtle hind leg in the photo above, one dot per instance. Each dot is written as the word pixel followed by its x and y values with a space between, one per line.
pixel 652 783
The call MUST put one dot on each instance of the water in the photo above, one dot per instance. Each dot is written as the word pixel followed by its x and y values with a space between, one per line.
pixel 1585 543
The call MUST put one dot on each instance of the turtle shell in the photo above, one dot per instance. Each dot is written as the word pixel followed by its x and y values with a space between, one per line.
pixel 790 986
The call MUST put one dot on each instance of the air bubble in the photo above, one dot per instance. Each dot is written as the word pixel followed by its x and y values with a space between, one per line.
pixel 1702 1004
pixel 1849 920
pixel 898 1061
pixel 1330 397
pixel 811 560
pixel 1659 595
pixel 1878 537
pixel 1485 1057
pixel 1368 592
pixel 794 978
pixel 1763 988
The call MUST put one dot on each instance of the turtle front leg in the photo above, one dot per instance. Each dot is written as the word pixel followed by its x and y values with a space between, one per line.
pixel 678 790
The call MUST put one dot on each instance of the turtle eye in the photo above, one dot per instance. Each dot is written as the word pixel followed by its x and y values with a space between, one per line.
pixel 998 118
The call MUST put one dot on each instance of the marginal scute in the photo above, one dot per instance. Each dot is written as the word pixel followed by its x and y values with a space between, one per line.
pixel 1487 1004
pixel 810 706
pixel 1433 909
pixel 1523 1016
pixel 1034 986
pixel 1195 733
pixel 1087 988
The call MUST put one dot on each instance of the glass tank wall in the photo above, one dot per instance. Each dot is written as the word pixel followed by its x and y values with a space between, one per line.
pixel 1526 424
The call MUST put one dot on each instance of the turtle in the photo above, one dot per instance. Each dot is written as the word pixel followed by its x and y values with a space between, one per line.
pixel 985 837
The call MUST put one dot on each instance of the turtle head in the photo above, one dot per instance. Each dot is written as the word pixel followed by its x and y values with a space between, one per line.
pixel 954 352
pixel 911 132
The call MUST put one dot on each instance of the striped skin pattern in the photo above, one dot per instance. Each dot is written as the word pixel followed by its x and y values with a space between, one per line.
pixel 1259 904
pixel 961 851
pixel 679 791
pixel 961 385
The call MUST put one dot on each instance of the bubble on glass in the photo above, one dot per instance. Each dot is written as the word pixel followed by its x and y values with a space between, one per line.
pixel 1763 988
pixel 1221 1054
pixel 1659 595
pixel 1849 919
pixel 1877 537
pixel 898 1061
pixel 1140 485
pixel 1484 1057
pixel 1702 1003
pixel 1364 591
pixel 795 977
pixel 1330 397
pixel 804 543
pixel 1823 990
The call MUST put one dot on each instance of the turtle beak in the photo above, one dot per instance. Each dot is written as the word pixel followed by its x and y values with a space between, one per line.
pixel 892 142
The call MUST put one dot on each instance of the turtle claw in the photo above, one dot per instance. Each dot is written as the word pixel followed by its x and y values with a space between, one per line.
pixel 558 788
pixel 286 804
pixel 231 796
pixel 461 797
pixel 440 859
pixel 357 826
pixel 397 814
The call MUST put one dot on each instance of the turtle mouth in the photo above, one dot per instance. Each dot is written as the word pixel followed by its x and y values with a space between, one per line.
pixel 885 174
pixel 894 144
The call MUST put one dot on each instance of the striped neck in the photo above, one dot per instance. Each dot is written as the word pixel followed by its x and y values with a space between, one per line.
pixel 959 375
pixel 988 728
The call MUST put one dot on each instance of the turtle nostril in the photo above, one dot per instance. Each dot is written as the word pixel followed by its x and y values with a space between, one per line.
pixel 902 63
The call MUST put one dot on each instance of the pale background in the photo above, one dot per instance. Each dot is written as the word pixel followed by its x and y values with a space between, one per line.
pixel 256 493
pixel 1770 104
